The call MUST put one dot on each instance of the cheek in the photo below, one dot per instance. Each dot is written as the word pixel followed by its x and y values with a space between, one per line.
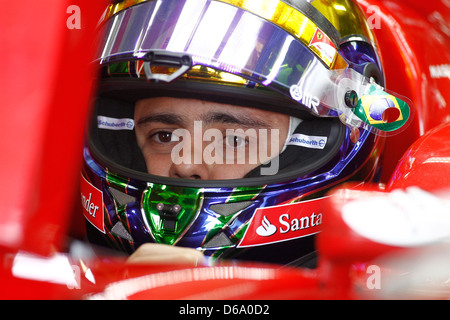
pixel 158 164
pixel 269 145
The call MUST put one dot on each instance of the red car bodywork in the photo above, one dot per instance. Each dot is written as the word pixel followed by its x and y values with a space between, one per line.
pixel 46 85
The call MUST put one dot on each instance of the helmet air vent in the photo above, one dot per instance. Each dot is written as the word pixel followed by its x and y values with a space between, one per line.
pixel 227 209
pixel 120 231
pixel 217 241
pixel 121 197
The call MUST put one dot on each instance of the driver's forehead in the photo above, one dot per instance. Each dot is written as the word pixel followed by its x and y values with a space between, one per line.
pixel 167 109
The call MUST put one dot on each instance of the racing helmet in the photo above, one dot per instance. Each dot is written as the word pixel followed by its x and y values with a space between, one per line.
pixel 315 61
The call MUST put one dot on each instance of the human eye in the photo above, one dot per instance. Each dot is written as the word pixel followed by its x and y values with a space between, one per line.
pixel 161 136
pixel 235 141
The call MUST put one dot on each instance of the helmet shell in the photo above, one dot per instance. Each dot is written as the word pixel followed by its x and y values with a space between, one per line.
pixel 265 218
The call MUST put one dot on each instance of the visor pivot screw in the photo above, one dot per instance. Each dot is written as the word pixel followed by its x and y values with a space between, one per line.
pixel 351 99
pixel 149 56
pixel 186 60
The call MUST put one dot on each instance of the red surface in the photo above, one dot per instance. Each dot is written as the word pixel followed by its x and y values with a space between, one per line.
pixel 45 89
pixel 414 36
pixel 427 162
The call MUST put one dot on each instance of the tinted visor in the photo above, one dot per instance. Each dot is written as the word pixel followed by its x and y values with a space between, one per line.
pixel 227 38
pixel 305 68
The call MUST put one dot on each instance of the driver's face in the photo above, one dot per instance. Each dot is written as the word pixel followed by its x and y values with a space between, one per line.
pixel 195 139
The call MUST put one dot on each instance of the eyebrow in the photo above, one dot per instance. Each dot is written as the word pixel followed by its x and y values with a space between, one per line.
pixel 167 118
pixel 208 118
pixel 245 121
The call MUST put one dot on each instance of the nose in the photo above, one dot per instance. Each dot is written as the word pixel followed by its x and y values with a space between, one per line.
pixel 190 165
pixel 189 171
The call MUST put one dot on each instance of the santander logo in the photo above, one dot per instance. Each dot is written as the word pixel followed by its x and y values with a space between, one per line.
pixel 92 202
pixel 266 229
pixel 283 223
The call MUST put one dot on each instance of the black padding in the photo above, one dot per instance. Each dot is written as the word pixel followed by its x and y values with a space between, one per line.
pixel 306 160
pixel 118 146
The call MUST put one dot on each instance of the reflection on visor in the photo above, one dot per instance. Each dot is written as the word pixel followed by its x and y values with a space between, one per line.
pixel 224 37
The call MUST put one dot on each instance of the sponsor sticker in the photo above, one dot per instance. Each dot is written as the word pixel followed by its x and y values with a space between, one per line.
pixel 323 46
pixel 92 202
pixel 115 123
pixel 310 101
pixel 375 106
pixel 312 142
pixel 283 223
